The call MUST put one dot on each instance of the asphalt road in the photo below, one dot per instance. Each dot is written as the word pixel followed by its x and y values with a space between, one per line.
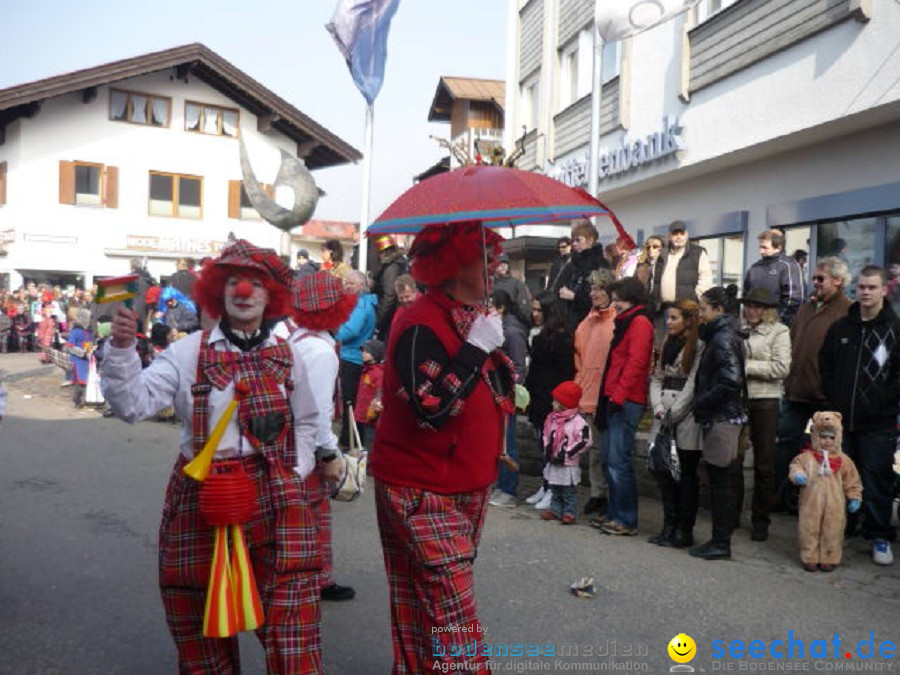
pixel 80 498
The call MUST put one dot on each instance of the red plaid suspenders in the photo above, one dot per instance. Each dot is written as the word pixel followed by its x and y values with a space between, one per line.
pixel 262 370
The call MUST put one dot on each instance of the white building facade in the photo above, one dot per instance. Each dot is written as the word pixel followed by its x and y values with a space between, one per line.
pixel 735 116
pixel 140 158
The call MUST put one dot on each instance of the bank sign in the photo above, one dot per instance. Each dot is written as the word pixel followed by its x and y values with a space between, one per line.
pixel 630 155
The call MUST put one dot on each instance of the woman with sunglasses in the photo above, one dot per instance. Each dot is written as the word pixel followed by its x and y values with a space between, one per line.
pixel 646 264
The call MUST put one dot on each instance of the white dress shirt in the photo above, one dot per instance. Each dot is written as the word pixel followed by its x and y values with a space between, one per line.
pixel 135 394
pixel 320 361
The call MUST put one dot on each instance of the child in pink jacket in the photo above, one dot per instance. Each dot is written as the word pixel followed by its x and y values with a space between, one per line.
pixel 566 437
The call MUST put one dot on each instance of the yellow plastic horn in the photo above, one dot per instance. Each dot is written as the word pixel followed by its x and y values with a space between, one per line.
pixel 198 468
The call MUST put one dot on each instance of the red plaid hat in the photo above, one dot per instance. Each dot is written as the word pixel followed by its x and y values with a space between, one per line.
pixel 568 394
pixel 320 301
pixel 242 253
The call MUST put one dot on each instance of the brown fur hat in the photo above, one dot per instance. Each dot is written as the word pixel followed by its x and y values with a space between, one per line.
pixel 827 420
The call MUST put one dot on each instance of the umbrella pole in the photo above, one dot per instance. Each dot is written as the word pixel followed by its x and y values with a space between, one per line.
pixel 487 299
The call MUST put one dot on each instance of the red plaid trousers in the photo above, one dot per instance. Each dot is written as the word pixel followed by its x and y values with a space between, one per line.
pixel 317 495
pixel 283 540
pixel 430 542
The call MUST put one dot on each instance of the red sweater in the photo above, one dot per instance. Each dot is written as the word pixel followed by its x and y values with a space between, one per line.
pixel 461 453
pixel 628 366
pixel 369 390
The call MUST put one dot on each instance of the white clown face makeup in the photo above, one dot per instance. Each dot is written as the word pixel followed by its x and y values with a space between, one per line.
pixel 245 301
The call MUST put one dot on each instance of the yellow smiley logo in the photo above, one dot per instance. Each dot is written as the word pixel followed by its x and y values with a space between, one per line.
pixel 682 648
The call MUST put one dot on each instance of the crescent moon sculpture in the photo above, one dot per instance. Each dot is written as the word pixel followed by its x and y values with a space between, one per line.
pixel 293 174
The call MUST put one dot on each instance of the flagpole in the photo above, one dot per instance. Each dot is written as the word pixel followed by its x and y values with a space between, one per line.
pixel 596 103
pixel 366 188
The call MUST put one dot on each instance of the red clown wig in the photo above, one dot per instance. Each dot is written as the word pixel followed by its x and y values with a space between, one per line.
pixel 440 252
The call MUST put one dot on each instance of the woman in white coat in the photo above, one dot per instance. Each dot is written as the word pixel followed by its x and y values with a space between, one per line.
pixel 768 360
pixel 672 398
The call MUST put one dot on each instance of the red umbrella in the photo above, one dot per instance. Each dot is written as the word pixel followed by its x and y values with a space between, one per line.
pixel 497 196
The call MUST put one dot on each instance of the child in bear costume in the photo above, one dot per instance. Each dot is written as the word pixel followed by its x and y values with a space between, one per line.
pixel 827 477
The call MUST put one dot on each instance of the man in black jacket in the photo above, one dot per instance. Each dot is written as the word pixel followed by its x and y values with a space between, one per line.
pixel 184 277
pixel 859 365
pixel 564 246
pixel 778 274
pixel 393 265
pixel 574 282
pixel 516 289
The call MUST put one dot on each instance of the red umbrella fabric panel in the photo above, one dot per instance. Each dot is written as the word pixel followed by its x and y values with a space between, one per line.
pixel 496 196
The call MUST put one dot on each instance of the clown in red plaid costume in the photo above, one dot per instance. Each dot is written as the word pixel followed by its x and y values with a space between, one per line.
pixel 320 306
pixel 272 437
pixel 446 398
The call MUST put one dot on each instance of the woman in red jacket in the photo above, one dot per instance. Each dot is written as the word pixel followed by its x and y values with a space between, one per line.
pixel 623 397
pixel 446 398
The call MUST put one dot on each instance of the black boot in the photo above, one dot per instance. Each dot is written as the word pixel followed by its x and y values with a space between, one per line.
pixel 721 502
pixel 759 531
pixel 669 491
pixel 666 536
pixel 688 499
pixel 712 550
pixel 683 538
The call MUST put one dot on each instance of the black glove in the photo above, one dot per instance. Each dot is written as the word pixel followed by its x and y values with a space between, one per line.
pixel 613 408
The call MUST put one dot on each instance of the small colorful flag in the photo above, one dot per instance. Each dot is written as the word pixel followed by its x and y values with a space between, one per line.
pixel 117 289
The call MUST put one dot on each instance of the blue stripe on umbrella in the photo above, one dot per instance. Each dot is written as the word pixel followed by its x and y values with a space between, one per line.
pixel 494 218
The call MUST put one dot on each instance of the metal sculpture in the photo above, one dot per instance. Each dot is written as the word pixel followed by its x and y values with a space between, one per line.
pixel 293 174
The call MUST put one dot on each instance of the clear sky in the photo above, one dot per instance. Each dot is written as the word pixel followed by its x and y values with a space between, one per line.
pixel 284 45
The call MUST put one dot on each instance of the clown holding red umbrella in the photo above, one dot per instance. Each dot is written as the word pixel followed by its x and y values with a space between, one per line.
pixel 448 396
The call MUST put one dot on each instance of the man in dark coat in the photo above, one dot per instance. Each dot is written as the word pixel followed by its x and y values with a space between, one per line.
pixel 393 265
pixel 183 279
pixel 778 274
pixel 574 283
pixel 305 266
pixel 517 291
pixel 802 388
pixel 859 364
pixel 564 246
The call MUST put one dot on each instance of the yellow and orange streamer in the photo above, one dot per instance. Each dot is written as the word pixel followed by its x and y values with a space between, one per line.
pixel 232 597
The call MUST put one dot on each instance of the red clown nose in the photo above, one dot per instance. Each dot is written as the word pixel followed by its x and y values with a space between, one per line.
pixel 244 289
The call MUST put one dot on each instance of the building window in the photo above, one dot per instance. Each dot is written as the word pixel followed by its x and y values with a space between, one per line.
pixel 568 77
pixel 175 195
pixel 709 8
pixel 130 106
pixel 612 60
pixel 211 119
pixel 851 240
pixel 531 101
pixel 239 205
pixel 88 184
pixel 726 258
pixel 892 262
pixel 576 64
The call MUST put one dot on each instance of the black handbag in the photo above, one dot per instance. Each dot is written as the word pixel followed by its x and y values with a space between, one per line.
pixel 662 456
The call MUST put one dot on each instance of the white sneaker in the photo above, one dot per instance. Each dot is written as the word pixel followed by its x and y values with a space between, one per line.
pixel 537 496
pixel 881 552
pixel 544 503
pixel 503 499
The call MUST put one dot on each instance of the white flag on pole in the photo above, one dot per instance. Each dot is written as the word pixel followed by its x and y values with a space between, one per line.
pixel 617 19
